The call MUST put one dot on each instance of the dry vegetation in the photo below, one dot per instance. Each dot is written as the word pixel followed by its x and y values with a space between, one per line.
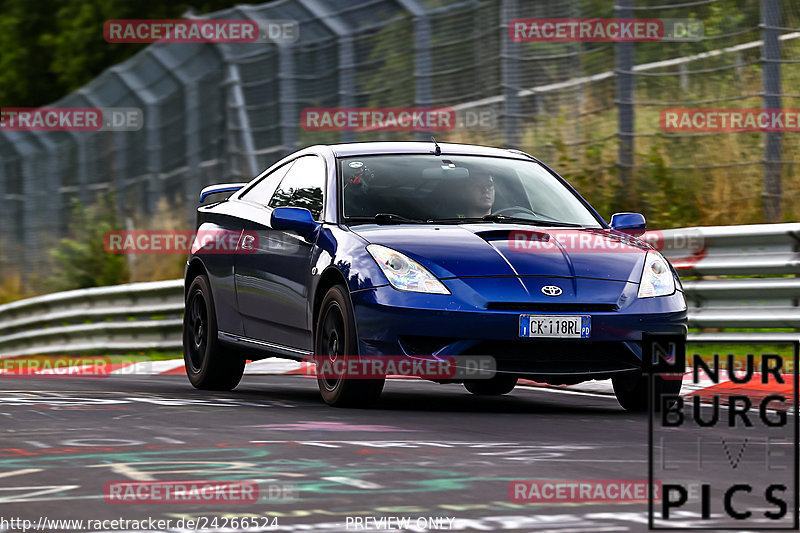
pixel 679 179
pixel 11 283
pixel 155 267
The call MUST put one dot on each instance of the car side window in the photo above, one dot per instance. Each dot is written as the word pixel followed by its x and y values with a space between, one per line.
pixel 261 192
pixel 302 186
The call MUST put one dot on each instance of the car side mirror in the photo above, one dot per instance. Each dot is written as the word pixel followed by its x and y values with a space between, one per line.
pixel 632 223
pixel 297 219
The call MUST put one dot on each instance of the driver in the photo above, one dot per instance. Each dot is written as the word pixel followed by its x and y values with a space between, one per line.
pixel 478 195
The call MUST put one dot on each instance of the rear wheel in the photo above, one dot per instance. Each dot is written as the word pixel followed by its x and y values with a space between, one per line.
pixel 633 392
pixel 498 385
pixel 209 365
pixel 336 340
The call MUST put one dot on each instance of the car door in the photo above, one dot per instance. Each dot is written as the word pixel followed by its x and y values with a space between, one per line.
pixel 273 268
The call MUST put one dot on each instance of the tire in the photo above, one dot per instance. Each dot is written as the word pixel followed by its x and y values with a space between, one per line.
pixel 633 392
pixel 496 386
pixel 209 365
pixel 336 337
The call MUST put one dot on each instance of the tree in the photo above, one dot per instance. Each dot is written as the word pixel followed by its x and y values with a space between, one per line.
pixel 50 48
pixel 81 259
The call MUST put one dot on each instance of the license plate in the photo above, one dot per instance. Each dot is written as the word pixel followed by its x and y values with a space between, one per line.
pixel 555 326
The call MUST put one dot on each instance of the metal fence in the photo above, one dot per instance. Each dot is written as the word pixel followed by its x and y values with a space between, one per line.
pixel 147 316
pixel 220 112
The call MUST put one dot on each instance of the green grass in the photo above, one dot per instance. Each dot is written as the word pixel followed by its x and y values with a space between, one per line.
pixel 99 355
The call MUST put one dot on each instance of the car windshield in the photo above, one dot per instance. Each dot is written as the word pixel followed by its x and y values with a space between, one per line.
pixel 456 189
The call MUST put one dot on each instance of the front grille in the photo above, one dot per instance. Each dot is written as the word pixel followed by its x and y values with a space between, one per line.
pixel 557 361
pixel 423 345
pixel 547 306
pixel 558 356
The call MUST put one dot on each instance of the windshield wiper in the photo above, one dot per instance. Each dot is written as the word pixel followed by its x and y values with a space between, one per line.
pixel 535 221
pixel 504 218
pixel 385 218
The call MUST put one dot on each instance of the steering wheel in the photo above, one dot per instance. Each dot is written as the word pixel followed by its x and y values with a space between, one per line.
pixel 515 209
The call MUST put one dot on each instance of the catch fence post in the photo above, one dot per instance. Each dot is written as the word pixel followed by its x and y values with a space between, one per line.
pixel 509 51
pixel 623 71
pixel 771 72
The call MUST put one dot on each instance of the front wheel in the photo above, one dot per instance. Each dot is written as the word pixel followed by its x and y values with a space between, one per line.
pixel 336 341
pixel 208 365
pixel 633 392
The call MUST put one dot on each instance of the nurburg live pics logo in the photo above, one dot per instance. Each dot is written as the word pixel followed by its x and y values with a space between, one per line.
pixel 745 443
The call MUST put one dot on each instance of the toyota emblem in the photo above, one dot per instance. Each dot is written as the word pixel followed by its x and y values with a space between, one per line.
pixel 551 290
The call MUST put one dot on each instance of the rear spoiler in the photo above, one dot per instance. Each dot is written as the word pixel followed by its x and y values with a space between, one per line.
pixel 220 187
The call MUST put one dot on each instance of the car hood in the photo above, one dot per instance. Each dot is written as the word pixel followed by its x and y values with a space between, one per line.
pixel 479 250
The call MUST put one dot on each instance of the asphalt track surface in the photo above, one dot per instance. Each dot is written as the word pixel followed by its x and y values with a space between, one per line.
pixel 425 451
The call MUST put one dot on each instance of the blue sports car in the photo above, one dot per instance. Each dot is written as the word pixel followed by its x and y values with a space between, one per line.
pixel 422 251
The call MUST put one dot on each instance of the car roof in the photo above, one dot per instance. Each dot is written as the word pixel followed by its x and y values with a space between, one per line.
pixel 415 147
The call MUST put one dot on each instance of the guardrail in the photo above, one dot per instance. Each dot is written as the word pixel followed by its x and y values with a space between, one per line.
pixel 121 318
pixel 143 316
pixel 762 295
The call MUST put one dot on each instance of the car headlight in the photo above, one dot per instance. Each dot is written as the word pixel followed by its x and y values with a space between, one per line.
pixel 404 273
pixel 657 278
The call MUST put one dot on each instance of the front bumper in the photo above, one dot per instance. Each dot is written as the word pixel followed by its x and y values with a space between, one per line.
pixel 391 322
